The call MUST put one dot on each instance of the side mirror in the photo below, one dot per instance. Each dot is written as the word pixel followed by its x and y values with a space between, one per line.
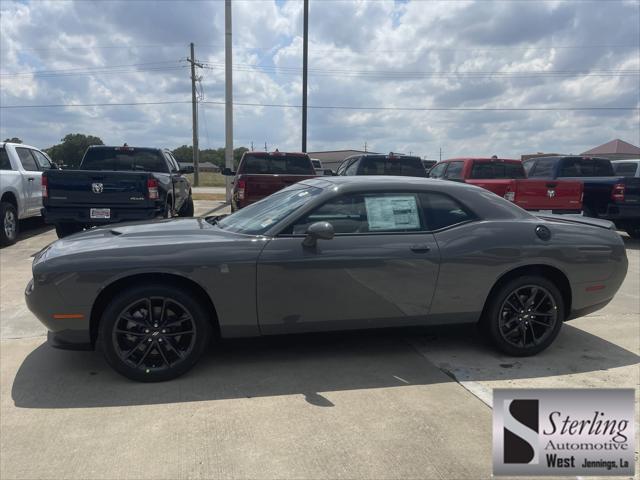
pixel 227 172
pixel 318 231
pixel 187 169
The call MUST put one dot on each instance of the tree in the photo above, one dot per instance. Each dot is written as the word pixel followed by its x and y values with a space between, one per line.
pixel 184 154
pixel 69 153
pixel 13 140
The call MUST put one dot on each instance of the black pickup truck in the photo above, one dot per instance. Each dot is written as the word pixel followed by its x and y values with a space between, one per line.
pixel 606 195
pixel 116 184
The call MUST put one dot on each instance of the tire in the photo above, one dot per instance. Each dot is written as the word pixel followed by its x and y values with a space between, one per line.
pixel 633 231
pixel 151 351
pixel 10 224
pixel 66 229
pixel 167 213
pixel 513 331
pixel 187 208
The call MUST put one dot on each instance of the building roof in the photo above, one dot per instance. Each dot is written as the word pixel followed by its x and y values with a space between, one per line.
pixel 616 146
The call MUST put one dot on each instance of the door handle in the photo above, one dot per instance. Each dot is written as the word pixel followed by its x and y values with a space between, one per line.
pixel 30 179
pixel 420 248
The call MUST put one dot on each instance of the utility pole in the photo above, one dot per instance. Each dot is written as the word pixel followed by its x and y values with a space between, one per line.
pixel 228 86
pixel 194 113
pixel 265 146
pixel 305 64
pixel 440 153
pixel 365 146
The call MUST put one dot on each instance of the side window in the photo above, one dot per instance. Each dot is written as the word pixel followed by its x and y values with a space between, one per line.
pixel 353 168
pixel 528 166
pixel 603 168
pixel 454 172
pixel 442 211
pixel 27 160
pixel 42 160
pixel 543 168
pixel 170 161
pixel 366 213
pixel 343 166
pixel 438 170
pixel 5 163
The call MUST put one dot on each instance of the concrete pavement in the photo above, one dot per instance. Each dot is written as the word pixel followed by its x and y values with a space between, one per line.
pixel 400 404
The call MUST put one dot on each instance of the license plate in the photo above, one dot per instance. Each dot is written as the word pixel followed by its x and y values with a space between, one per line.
pixel 100 213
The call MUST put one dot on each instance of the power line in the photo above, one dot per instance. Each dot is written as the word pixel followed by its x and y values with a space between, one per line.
pixel 330 107
pixel 96 69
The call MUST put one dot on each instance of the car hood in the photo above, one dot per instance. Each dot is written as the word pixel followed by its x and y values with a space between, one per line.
pixel 173 234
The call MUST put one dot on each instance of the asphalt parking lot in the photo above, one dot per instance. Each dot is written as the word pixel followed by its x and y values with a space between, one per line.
pixel 411 403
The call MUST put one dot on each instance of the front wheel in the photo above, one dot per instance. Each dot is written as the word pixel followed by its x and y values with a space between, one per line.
pixel 187 208
pixel 525 316
pixel 154 333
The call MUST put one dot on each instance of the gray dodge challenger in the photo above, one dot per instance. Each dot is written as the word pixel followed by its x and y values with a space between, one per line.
pixel 330 253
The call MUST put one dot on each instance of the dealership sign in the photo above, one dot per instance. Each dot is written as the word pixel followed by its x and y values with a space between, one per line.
pixel 563 432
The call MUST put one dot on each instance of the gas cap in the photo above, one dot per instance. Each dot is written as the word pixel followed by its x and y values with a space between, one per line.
pixel 543 232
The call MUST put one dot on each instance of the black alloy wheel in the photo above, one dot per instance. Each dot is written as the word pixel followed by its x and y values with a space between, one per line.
pixel 154 333
pixel 525 316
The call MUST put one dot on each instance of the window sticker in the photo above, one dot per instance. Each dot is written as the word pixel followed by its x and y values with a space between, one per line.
pixel 392 213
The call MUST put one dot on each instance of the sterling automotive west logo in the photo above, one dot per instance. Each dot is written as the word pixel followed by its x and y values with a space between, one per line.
pixel 563 432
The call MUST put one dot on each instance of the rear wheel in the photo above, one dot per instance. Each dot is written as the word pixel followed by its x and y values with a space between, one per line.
pixel 154 333
pixel 525 316
pixel 66 229
pixel 10 225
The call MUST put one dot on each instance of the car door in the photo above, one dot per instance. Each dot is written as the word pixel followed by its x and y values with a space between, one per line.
pixel 380 269
pixel 177 181
pixel 30 180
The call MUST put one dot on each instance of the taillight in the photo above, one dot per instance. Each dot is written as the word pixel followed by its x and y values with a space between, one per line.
pixel 44 181
pixel 241 185
pixel 617 194
pixel 152 188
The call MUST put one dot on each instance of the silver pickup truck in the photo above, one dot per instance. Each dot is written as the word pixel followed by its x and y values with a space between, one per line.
pixel 21 168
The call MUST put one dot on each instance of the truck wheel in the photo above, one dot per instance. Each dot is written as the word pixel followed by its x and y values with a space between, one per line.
pixel 10 225
pixel 524 316
pixel 187 208
pixel 168 209
pixel 633 231
pixel 154 332
pixel 66 229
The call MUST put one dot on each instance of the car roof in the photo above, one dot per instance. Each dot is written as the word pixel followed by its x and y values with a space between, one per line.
pixel 126 146
pixel 12 144
pixel 483 159
pixel 271 154
pixel 392 182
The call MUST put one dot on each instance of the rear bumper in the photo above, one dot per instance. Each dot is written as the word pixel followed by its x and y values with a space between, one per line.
pixel 621 212
pixel 81 215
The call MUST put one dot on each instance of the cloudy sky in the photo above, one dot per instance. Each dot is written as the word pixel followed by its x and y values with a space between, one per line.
pixel 480 77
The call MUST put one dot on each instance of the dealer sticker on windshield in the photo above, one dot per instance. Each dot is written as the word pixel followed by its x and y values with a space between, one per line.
pixel 392 213
pixel 563 432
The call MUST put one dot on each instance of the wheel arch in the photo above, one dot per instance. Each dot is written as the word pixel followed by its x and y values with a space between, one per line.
pixel 552 274
pixel 103 298
pixel 10 197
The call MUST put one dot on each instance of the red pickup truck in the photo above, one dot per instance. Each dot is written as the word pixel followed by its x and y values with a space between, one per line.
pixel 260 174
pixel 507 178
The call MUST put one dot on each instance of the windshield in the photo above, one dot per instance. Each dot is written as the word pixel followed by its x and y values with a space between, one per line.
pixel 276 164
pixel 124 159
pixel 406 166
pixel 260 216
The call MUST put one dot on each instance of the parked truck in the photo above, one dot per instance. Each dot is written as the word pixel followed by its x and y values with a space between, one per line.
pixel 21 167
pixel 507 178
pixel 116 184
pixel 260 174
pixel 606 195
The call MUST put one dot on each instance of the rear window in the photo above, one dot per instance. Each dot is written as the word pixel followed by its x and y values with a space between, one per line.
pixel 120 159
pixel 497 170
pixel 585 167
pixel 405 166
pixel 625 169
pixel 276 164
pixel 5 163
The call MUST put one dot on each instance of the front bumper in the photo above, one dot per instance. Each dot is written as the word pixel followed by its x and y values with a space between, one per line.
pixel 69 326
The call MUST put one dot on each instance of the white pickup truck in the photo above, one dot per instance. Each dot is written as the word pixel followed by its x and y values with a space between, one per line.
pixel 21 168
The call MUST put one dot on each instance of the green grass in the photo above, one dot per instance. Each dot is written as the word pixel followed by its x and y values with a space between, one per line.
pixel 209 179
